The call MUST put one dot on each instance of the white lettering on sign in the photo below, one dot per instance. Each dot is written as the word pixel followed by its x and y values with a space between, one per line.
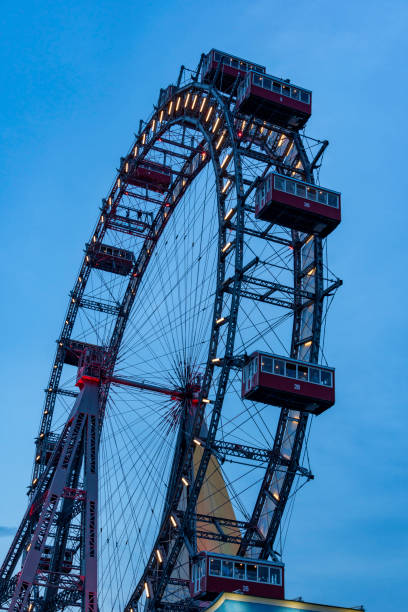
pixel 245 588
pixel 297 387
pixel 307 204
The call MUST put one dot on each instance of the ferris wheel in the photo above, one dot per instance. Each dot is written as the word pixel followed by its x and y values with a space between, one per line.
pixel 190 359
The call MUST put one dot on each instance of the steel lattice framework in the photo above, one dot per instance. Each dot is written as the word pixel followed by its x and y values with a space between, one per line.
pixel 195 130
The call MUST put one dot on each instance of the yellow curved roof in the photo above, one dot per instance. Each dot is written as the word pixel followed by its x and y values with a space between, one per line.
pixel 214 500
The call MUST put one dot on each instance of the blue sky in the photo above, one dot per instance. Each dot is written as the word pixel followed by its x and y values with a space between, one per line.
pixel 76 79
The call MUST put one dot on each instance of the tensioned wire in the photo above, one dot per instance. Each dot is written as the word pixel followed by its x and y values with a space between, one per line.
pixel 85 331
pixel 201 234
pixel 143 469
pixel 159 322
pixel 157 480
pixel 146 290
pixel 160 327
pixel 112 283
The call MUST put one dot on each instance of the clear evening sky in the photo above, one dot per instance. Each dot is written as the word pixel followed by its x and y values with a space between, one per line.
pixel 76 78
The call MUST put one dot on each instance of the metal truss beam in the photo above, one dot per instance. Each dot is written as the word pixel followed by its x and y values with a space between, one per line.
pixel 227 538
pixel 268 159
pixel 60 391
pixel 111 309
pixel 214 520
pixel 241 451
pixel 259 455
pixel 262 298
pixel 260 282
pixel 270 286
pixel 264 235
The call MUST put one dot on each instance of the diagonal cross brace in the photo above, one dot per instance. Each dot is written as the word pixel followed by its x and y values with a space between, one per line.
pixel 83 423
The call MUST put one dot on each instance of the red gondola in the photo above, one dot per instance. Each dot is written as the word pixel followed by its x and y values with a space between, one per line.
pixel 301 206
pixel 275 100
pixel 231 68
pixel 213 573
pixel 151 175
pixel 280 381
pixel 110 259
